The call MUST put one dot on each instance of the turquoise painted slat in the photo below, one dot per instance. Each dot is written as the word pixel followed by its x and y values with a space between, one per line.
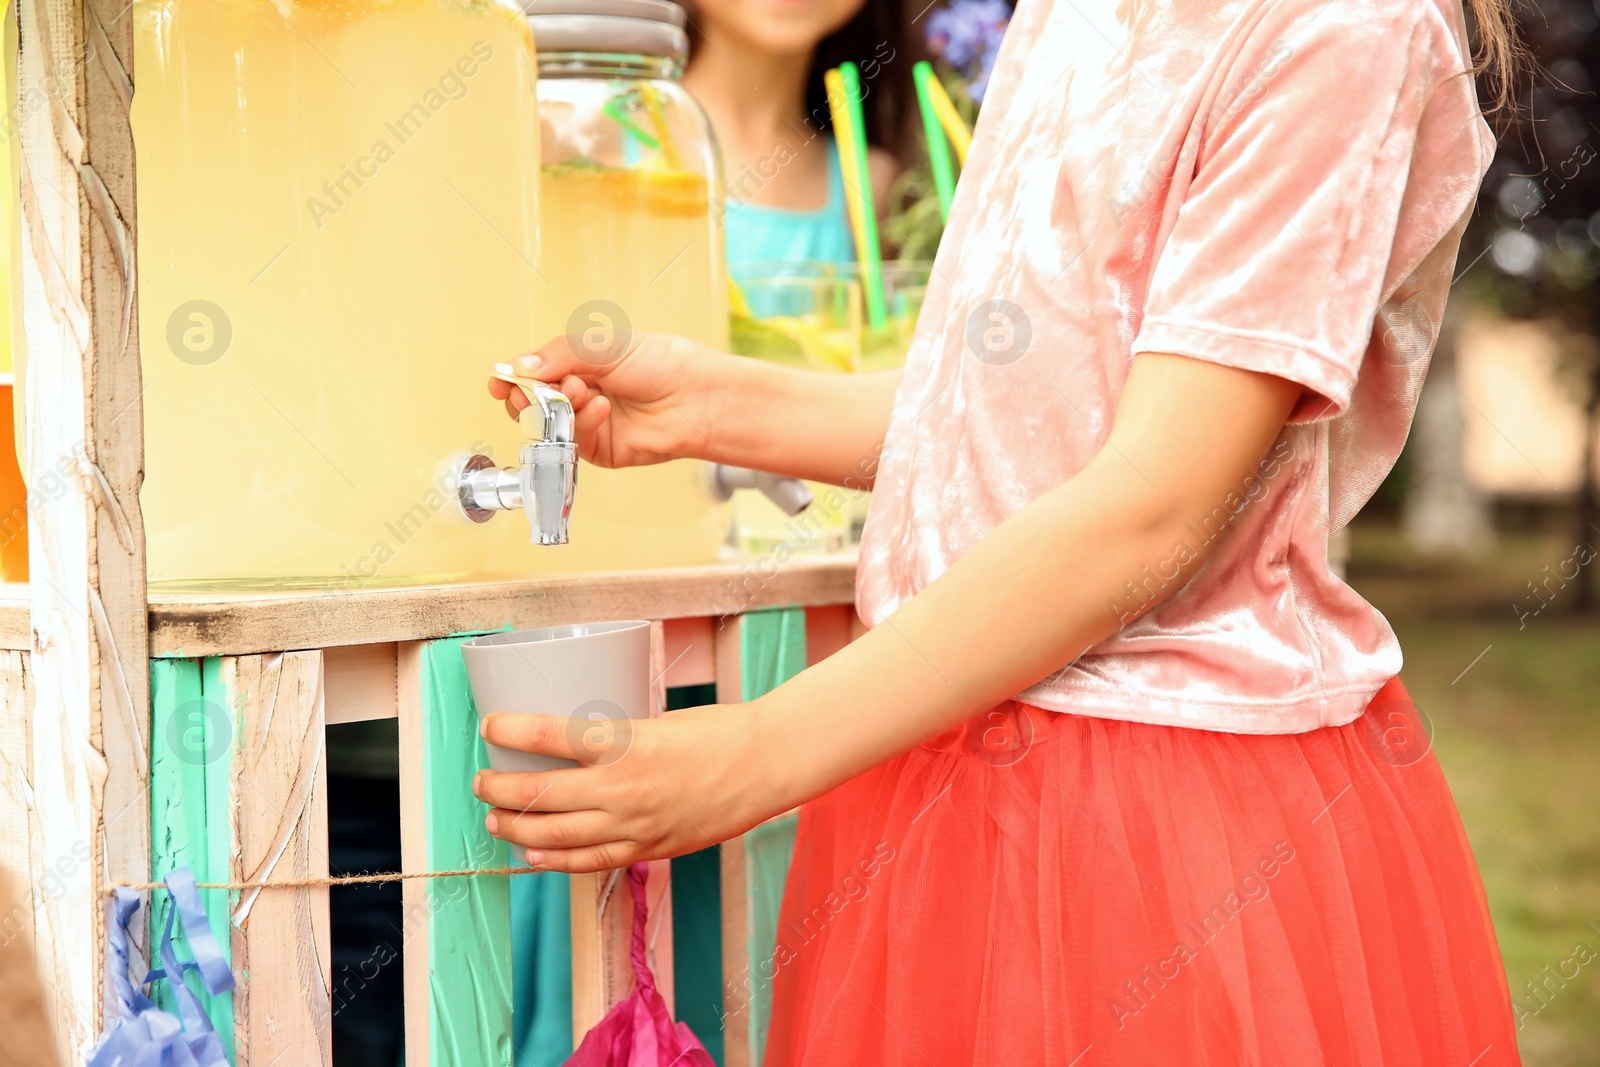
pixel 469 933
pixel 767 850
pixel 191 747
pixel 541 931
pixel 697 945
pixel 772 649
pixel 697 920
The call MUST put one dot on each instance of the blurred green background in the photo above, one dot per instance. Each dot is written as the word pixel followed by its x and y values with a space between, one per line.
pixel 1515 727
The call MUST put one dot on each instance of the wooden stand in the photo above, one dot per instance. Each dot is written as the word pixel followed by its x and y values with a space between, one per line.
pixel 141 732
pixel 235 787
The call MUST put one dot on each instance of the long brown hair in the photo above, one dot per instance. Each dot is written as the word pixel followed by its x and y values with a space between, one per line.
pixel 1498 55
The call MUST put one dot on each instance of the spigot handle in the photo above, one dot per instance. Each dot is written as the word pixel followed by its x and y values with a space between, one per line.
pixel 790 494
pixel 548 415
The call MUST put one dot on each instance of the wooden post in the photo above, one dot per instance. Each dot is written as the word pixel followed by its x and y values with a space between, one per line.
pixel 735 879
pixel 84 447
pixel 602 925
pixel 658 891
pixel 19 814
pixel 413 849
pixel 602 904
pixel 282 949
pixel 756 653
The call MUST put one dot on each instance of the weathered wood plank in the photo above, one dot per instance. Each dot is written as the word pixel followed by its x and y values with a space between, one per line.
pixel 413 849
pixel 588 970
pixel 83 440
pixel 281 946
pixel 829 627
pixel 360 682
pixel 734 882
pixel 658 891
pixel 218 624
pixel 602 918
pixel 16 632
pixel 658 931
pixel 23 865
pixel 690 652
pixel 195 624
pixel 735 954
pixel 19 824
pixel 770 648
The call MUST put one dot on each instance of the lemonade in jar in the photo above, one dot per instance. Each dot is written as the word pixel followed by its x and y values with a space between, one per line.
pixel 337 236
pixel 630 242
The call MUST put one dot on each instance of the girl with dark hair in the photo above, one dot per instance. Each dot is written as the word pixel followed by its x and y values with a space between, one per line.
pixel 756 68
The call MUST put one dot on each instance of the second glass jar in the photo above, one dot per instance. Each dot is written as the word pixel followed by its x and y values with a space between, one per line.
pixel 630 242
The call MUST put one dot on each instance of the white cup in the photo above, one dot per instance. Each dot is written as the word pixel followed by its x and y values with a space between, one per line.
pixel 597 674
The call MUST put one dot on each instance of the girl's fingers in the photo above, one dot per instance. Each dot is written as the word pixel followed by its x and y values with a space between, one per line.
pixel 588 860
pixel 588 427
pixel 563 830
pixel 544 791
pixel 524 791
pixel 514 399
pixel 556 359
pixel 573 389
pixel 548 735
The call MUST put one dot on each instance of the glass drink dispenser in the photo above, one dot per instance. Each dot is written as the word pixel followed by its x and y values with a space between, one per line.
pixel 630 242
pixel 338 236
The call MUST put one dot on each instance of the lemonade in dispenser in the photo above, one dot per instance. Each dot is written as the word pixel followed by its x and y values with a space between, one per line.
pixel 337 236
pixel 630 242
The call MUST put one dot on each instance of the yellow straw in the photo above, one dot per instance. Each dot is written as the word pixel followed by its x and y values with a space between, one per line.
pixel 658 120
pixel 833 81
pixel 737 304
pixel 955 127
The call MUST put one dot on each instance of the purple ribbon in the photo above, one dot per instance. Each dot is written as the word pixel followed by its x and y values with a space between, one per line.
pixel 143 1035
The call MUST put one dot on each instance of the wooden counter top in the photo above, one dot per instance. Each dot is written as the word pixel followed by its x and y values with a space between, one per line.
pixel 217 624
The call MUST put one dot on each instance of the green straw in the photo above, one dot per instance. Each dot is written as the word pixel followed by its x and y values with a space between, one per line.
pixel 618 110
pixel 938 145
pixel 872 262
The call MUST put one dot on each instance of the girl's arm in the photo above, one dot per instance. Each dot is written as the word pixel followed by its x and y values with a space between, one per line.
pixel 667 398
pixel 1031 596
pixel 802 423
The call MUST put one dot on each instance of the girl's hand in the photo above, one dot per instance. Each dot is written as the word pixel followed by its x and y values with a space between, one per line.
pixel 647 401
pixel 644 789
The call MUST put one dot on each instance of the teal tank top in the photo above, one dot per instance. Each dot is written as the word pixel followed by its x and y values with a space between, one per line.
pixel 759 234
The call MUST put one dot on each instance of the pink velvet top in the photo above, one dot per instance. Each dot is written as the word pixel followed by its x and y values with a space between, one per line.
pixel 1276 185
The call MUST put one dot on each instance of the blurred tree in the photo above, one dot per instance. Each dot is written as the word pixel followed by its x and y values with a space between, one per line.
pixel 1441 511
pixel 1533 248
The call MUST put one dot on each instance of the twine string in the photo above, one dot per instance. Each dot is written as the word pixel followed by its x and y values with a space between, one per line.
pixel 317 883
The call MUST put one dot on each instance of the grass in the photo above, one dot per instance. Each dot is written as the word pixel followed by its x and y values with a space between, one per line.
pixel 1515 706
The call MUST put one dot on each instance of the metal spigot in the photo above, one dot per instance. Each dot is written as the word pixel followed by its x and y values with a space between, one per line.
pixel 790 494
pixel 546 476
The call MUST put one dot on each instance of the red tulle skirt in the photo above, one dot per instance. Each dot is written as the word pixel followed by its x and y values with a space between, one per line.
pixel 1042 889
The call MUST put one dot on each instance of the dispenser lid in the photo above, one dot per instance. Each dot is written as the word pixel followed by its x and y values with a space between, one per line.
pixel 629 27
